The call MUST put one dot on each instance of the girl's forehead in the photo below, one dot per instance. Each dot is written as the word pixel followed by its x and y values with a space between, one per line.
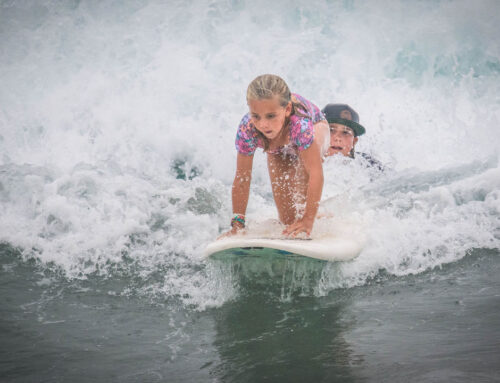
pixel 264 104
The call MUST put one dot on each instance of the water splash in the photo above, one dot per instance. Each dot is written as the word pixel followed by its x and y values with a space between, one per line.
pixel 117 131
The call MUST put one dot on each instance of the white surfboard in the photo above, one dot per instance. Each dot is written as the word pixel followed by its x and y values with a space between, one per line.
pixel 332 245
pixel 326 249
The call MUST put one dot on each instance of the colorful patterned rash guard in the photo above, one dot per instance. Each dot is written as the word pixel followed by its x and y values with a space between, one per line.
pixel 301 131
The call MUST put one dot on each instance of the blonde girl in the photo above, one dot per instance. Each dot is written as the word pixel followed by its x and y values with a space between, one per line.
pixel 294 134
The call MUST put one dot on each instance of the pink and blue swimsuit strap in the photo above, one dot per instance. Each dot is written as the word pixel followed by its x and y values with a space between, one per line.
pixel 311 110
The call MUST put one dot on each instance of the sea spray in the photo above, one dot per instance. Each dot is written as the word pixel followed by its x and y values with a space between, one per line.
pixel 117 126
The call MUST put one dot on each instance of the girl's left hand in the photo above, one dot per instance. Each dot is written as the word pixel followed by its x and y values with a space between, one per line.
pixel 301 226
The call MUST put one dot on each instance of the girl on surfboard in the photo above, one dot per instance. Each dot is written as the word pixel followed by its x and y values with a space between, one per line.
pixel 295 135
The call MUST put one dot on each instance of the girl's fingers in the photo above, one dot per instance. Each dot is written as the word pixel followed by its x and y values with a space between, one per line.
pixel 296 228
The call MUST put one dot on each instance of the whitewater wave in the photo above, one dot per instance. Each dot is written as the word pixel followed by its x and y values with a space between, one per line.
pixel 117 133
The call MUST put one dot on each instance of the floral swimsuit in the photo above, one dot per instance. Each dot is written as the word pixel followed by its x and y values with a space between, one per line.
pixel 301 131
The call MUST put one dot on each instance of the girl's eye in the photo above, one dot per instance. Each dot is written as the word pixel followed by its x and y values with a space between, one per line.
pixel 255 117
pixel 346 133
pixel 270 116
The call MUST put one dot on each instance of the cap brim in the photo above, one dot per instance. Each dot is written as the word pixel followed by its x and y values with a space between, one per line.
pixel 357 128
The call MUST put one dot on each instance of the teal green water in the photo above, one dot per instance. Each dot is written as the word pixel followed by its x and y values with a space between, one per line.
pixel 440 326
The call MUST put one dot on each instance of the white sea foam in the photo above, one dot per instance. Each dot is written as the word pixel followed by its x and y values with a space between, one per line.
pixel 117 127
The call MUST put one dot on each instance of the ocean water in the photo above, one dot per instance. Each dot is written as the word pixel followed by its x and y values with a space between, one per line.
pixel 117 127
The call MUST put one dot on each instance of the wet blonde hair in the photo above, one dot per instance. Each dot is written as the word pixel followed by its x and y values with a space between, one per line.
pixel 265 87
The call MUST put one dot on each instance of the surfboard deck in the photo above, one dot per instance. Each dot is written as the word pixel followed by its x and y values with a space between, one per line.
pixel 324 249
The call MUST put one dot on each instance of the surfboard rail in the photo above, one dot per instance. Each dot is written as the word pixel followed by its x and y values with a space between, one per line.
pixel 326 249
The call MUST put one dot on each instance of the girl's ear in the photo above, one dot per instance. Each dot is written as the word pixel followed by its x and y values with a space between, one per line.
pixel 354 141
pixel 288 109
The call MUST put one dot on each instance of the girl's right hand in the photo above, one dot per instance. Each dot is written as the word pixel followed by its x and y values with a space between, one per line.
pixel 301 226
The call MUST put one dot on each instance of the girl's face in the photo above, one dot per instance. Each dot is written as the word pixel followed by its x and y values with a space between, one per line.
pixel 342 140
pixel 269 116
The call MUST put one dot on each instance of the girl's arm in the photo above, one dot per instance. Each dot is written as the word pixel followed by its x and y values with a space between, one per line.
pixel 241 189
pixel 241 183
pixel 311 159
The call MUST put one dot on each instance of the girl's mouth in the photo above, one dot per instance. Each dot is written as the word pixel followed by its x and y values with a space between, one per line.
pixel 336 147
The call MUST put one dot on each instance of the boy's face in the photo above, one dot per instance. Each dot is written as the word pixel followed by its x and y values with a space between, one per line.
pixel 342 140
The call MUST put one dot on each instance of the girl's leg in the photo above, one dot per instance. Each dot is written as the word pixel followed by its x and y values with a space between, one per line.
pixel 289 180
pixel 289 184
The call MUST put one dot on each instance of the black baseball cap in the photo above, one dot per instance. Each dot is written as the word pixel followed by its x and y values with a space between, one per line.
pixel 345 115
